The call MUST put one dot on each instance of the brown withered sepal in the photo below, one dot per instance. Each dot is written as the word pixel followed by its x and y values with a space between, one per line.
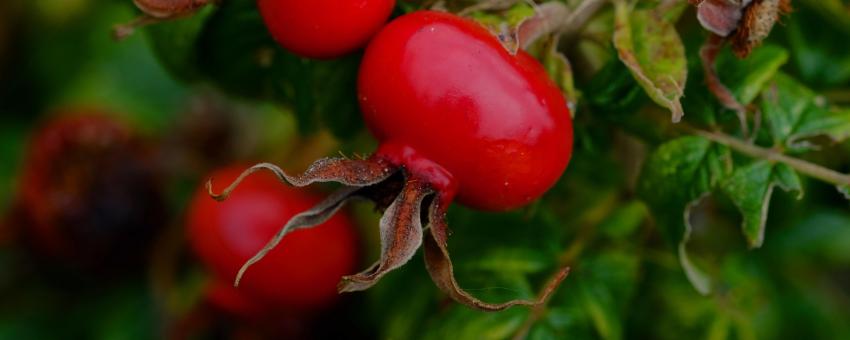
pixel 756 23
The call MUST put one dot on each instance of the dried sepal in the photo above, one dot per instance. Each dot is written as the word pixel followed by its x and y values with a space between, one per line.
pixel 440 267
pixel 350 172
pixel 708 55
pixel 402 198
pixel 164 9
pixel 401 236
pixel 156 11
pixel 355 174
pixel 746 23
pixel 307 219
pixel 721 17
pixel 757 22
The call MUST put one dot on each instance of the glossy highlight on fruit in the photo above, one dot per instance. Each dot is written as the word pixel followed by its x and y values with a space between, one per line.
pixel 457 116
pixel 324 28
pixel 444 87
pixel 303 274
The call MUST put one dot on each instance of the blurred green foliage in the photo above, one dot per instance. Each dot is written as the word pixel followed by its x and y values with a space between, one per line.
pixel 669 235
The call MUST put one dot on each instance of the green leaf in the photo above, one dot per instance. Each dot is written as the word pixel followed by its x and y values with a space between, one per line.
pixel 560 70
pixel 833 12
pixel 403 311
pixel 605 290
pixel 174 43
pixel 793 113
pixel 624 221
pixel 833 123
pixel 237 53
pixel 747 77
pixel 653 52
pixel 461 322
pixel 507 23
pixel 614 91
pixel 720 328
pixel 844 190
pixel 599 307
pixel 518 260
pixel 785 104
pixel 675 178
pixel 751 187
pixel 335 86
pixel 820 236
pixel 817 33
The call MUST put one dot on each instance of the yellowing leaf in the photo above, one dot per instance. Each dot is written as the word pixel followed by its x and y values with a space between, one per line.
pixel 652 50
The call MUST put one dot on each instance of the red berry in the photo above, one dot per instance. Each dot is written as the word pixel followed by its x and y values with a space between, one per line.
pixel 324 28
pixel 445 88
pixel 303 274
pixel 91 191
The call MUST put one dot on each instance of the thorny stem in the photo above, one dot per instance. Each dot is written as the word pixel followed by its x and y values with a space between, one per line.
pixel 810 169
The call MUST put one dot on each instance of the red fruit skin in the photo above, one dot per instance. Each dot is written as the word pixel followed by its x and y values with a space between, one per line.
pixel 324 29
pixel 302 272
pixel 223 296
pixel 443 87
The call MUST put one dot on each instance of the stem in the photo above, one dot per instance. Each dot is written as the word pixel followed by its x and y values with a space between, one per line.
pixel 810 169
pixel 579 17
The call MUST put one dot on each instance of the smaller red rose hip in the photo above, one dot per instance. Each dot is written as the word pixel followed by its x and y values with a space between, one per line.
pixel 324 29
pixel 303 276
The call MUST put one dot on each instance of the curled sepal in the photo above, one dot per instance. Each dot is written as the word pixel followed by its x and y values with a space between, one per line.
pixel 440 268
pixel 350 172
pixel 355 174
pixel 157 11
pixel 401 236
pixel 170 8
pixel 708 55
pixel 308 219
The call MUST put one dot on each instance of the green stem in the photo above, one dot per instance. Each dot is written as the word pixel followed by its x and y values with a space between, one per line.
pixel 807 168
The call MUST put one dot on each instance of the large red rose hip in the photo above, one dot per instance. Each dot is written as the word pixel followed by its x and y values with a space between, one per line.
pixel 456 116
pixel 324 28
pixel 446 88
